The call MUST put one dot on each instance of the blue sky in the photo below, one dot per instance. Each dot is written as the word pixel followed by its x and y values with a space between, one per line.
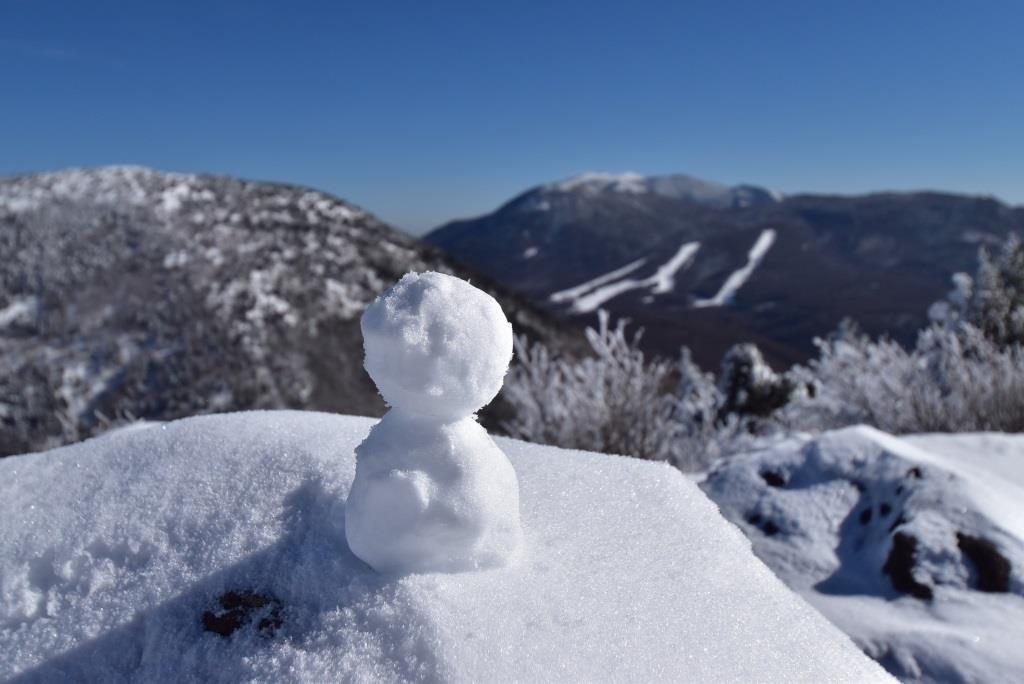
pixel 423 112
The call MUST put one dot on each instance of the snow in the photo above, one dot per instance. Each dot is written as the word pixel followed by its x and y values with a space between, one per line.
pixel 990 466
pixel 590 296
pixel 432 491
pixel 663 279
pixel 123 185
pixel 660 282
pixel 592 181
pixel 171 199
pixel 436 346
pixel 176 259
pixel 738 278
pixel 530 252
pixel 115 548
pixel 432 496
pixel 20 311
pixel 681 186
pixel 675 186
pixel 345 298
pixel 575 292
pixel 829 514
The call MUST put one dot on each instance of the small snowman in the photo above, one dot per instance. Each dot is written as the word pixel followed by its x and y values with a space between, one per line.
pixel 432 491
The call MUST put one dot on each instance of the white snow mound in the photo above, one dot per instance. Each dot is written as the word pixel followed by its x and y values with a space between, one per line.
pixel 119 554
pixel 913 546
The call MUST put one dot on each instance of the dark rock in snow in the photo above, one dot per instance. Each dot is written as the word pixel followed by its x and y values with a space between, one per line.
pixel 238 609
pixel 899 566
pixel 991 568
pixel 773 478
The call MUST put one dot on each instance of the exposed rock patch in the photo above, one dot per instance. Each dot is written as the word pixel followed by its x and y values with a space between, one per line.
pixel 238 609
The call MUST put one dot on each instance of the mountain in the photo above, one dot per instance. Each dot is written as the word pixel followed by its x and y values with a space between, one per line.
pixel 707 265
pixel 126 293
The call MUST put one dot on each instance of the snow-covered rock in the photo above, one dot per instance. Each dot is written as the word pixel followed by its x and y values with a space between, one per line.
pixel 913 546
pixel 128 556
pixel 432 491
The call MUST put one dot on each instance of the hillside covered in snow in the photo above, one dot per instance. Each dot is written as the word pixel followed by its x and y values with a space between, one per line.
pixel 213 548
pixel 127 293
pixel 706 265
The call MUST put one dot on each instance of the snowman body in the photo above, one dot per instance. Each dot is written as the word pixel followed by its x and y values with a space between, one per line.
pixel 432 491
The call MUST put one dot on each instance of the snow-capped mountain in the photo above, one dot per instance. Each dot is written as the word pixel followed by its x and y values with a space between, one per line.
pixel 131 293
pixel 708 265
pixel 675 186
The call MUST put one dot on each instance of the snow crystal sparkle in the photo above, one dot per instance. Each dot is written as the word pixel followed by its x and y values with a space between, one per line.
pixel 432 490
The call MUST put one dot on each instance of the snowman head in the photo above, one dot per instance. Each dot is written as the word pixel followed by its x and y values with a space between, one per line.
pixel 436 346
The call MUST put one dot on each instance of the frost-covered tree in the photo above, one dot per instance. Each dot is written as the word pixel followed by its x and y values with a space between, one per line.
pixel 965 373
pixel 954 380
pixel 748 385
pixel 853 380
pixel 993 300
pixel 616 400
pixel 701 432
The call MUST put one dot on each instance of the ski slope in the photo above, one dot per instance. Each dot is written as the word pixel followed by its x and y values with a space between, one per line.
pixel 577 291
pixel 738 278
pixel 591 295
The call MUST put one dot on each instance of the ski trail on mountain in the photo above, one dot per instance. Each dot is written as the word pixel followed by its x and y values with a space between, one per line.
pixel 591 295
pixel 739 277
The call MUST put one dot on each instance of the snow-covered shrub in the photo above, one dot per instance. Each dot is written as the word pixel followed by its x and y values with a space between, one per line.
pixel 853 380
pixel 702 432
pixel 748 385
pixel 966 372
pixel 616 401
pixel 954 380
pixel 976 382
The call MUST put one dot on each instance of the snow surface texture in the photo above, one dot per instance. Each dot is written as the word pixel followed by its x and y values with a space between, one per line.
pixel 913 546
pixel 432 491
pixel 114 548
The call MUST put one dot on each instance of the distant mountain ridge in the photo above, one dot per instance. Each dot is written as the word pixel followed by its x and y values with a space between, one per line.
pixel 676 186
pixel 131 293
pixel 707 265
